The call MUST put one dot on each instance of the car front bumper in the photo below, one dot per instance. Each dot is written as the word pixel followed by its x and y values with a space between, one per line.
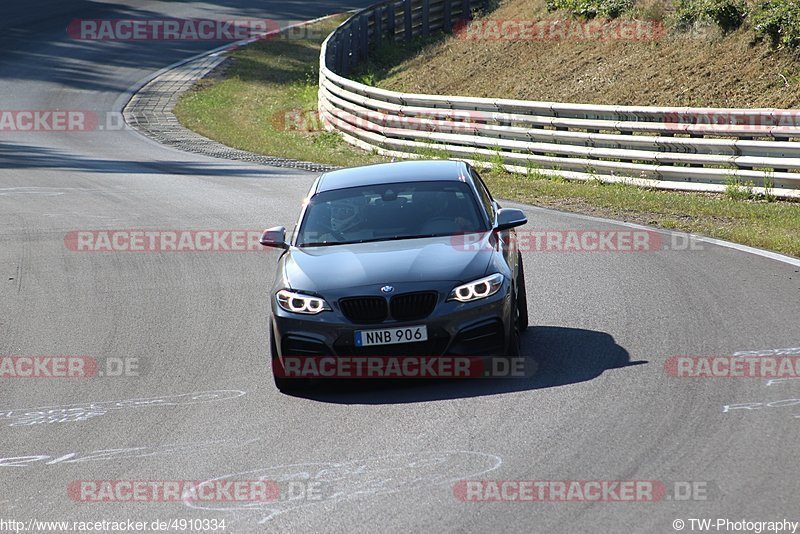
pixel 480 328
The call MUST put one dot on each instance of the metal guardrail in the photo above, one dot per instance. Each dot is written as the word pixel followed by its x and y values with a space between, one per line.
pixel 695 149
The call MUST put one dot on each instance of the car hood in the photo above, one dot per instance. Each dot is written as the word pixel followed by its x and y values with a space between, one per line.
pixel 387 262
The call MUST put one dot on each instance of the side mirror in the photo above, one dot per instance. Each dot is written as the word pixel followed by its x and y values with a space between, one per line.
pixel 510 218
pixel 274 237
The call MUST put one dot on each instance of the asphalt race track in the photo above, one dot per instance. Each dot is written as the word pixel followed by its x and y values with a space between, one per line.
pixel 599 407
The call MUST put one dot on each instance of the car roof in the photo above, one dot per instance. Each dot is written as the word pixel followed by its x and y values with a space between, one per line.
pixel 390 173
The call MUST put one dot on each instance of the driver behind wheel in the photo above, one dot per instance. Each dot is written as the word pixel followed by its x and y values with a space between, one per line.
pixel 347 221
pixel 346 214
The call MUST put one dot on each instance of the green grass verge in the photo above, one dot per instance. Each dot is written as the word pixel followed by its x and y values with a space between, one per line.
pixel 769 225
pixel 265 102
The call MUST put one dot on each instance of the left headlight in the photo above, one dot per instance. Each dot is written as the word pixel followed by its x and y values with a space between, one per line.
pixel 477 289
pixel 294 302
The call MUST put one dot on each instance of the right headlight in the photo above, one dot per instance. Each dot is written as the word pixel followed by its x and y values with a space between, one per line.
pixel 477 289
pixel 295 302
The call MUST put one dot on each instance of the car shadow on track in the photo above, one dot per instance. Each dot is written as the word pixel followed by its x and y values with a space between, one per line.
pixel 554 356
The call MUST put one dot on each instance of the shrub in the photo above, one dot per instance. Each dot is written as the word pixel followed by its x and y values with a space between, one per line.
pixel 736 189
pixel 778 20
pixel 727 14
pixel 592 8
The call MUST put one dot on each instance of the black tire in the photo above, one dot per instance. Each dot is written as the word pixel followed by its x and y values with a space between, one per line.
pixel 512 347
pixel 513 344
pixel 278 374
pixel 522 297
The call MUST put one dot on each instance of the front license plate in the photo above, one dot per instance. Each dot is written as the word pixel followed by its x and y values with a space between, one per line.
pixel 390 336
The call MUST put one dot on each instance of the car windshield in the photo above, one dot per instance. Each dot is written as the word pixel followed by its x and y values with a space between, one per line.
pixel 389 212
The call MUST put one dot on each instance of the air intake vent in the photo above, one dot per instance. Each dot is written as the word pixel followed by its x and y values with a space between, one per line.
pixel 364 309
pixel 413 306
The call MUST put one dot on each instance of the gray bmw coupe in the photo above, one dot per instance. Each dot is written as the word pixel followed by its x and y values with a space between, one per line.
pixel 407 259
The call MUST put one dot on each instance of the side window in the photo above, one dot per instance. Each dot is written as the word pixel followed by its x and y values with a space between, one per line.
pixel 483 193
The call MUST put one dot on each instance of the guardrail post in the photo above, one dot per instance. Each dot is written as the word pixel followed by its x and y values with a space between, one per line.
pixel 407 19
pixel 355 44
pixel 330 53
pixel 364 35
pixel 338 55
pixel 466 12
pixel 426 11
pixel 377 28
pixel 390 20
pixel 447 23
pixel 348 52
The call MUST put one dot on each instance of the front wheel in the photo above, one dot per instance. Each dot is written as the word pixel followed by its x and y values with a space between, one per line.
pixel 513 343
pixel 522 297
pixel 513 348
pixel 279 373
